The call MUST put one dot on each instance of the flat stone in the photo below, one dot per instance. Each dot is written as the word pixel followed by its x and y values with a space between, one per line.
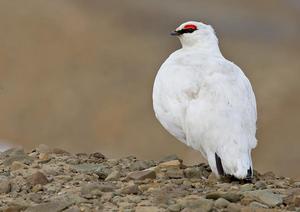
pixel 52 206
pixel 265 197
pixel 170 164
pixel 91 190
pixel 170 158
pixel 195 202
pixel 148 209
pixel 174 208
pixel 221 203
pixel 5 186
pixel 297 201
pixel 130 189
pixel 196 172
pixel 230 196
pixel 247 187
pixel 257 205
pixel 113 176
pixel 37 178
pixel 16 165
pixel 141 175
pixel 174 173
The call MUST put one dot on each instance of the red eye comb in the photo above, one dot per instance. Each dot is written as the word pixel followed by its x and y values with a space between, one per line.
pixel 190 26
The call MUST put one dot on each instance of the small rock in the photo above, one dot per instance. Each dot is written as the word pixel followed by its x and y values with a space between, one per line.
pixel 265 197
pixel 37 188
pixel 35 197
pixel 221 203
pixel 59 151
pixel 44 156
pixel 195 202
pixel 130 189
pixel 170 158
pixel 174 208
pixel 141 165
pixel 170 164
pixel 174 173
pixel 5 186
pixel 52 206
pixel 91 190
pixel 97 155
pixel 17 165
pixel 233 208
pixel 141 175
pixel 260 185
pixel 37 178
pixel 113 176
pixel 230 196
pixel 257 205
pixel 148 209
pixel 196 172
pixel 247 187
pixel 297 201
pixel 106 187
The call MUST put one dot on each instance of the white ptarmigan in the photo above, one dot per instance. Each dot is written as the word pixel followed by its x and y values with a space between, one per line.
pixel 207 102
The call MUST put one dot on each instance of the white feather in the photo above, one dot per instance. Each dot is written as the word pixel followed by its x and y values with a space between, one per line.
pixel 207 102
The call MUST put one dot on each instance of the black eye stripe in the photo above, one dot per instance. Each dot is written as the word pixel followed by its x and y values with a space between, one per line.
pixel 188 30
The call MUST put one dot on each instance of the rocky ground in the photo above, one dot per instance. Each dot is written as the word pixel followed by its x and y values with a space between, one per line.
pixel 51 179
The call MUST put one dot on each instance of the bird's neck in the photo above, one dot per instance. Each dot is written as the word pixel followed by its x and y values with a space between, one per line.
pixel 209 46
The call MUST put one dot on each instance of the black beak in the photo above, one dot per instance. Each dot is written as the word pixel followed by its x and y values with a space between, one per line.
pixel 175 33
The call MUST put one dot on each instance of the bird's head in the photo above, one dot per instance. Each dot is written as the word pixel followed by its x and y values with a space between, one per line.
pixel 195 34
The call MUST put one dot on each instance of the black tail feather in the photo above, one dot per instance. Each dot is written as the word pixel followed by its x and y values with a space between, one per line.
pixel 219 165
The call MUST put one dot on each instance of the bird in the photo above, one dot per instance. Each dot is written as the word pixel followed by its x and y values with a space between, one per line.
pixel 207 102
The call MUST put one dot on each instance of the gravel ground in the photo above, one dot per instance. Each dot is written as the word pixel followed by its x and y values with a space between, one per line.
pixel 51 179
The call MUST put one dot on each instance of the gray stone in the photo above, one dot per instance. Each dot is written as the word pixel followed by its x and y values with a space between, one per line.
pixel 260 185
pixel 91 190
pixel 257 205
pixel 37 178
pixel 200 204
pixel 196 172
pixel 15 154
pixel 52 206
pixel 141 175
pixel 230 196
pixel 141 165
pixel 130 189
pixel 247 187
pixel 92 168
pixel 265 197
pixel 5 186
pixel 174 208
pixel 221 203
pixel 113 176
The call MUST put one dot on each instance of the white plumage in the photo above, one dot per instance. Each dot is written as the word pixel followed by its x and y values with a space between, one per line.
pixel 207 102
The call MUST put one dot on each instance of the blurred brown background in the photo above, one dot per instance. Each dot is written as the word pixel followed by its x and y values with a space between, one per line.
pixel 78 74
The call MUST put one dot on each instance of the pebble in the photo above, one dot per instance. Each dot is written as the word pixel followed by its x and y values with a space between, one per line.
pixel 91 190
pixel 257 205
pixel 221 203
pixel 231 197
pixel 37 178
pixel 113 176
pixel 5 186
pixel 265 197
pixel 130 189
pixel 141 175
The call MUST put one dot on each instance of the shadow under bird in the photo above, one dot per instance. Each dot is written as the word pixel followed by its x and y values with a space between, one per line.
pixel 207 102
